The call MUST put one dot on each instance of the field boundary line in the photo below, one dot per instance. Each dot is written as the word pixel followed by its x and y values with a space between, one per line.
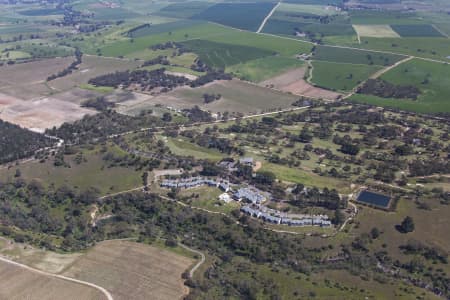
pixel 103 290
pixel 268 17
pixel 440 31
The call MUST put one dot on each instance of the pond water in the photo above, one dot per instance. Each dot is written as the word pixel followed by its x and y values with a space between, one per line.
pixel 374 199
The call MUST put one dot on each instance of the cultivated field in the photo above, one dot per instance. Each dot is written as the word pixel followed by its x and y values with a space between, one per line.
pixel 132 271
pixel 41 113
pixel 92 66
pixel 17 80
pixel 340 77
pixel 236 96
pixel 293 82
pixel 18 283
pixel 376 31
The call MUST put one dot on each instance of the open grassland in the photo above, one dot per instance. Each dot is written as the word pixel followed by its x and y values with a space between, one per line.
pixel 296 175
pixel 220 55
pixel 93 172
pixel 341 77
pixel 343 55
pixel 179 146
pixel 133 271
pixel 431 78
pixel 419 30
pixel 376 31
pixel 264 68
pixel 19 283
pixel 246 16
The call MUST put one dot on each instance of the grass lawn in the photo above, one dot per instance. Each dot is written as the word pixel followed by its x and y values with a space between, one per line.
pixel 340 77
pixel 285 173
pixel 209 199
pixel 180 146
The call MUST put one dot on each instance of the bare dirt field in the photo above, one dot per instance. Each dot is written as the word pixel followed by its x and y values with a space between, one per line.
pixel 19 283
pixel 236 96
pixel 131 270
pixel 27 80
pixel 293 82
pixel 41 113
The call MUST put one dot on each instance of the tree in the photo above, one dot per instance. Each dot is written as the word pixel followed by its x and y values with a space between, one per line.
pixel 407 225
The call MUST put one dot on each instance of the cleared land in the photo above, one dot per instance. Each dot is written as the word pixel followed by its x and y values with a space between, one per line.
pixel 19 283
pixel 293 82
pixel 264 68
pixel 17 80
pixel 376 31
pixel 41 113
pixel 236 96
pixel 132 271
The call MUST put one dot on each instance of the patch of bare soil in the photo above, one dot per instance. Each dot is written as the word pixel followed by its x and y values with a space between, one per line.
pixel 293 82
pixel 39 114
pixel 131 270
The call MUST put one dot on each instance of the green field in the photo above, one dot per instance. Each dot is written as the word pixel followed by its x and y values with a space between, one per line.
pixel 246 16
pixel 184 9
pixel 419 30
pixel 344 55
pixel 435 48
pixel 220 55
pixel 284 27
pixel 367 17
pixel 340 77
pixel 431 78
pixel 264 68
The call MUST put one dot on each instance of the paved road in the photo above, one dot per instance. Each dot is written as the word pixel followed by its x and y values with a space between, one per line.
pixel 103 290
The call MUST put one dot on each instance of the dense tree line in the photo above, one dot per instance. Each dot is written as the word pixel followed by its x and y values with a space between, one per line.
pixel 146 80
pixel 17 143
